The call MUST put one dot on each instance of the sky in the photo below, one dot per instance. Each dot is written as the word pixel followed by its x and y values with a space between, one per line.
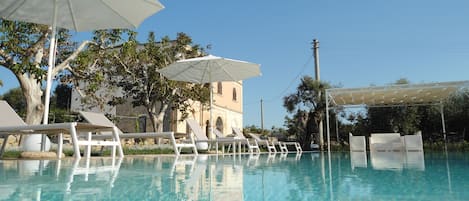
pixel 362 43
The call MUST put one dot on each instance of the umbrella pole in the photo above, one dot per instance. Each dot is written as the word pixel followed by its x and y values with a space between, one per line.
pixel 210 129
pixel 49 73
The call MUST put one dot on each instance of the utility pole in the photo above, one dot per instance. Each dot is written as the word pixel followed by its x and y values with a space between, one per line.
pixel 316 58
pixel 316 71
pixel 262 115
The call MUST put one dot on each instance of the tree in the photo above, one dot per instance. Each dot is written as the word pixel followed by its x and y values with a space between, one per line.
pixel 401 118
pixel 307 106
pixel 16 99
pixel 63 96
pixel 23 50
pixel 133 69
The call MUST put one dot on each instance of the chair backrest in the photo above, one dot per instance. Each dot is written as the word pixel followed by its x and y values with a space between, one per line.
pixel 8 116
pixel 218 133
pixel 98 119
pixel 357 143
pixel 413 142
pixel 196 129
pixel 385 138
pixel 257 138
pixel 238 133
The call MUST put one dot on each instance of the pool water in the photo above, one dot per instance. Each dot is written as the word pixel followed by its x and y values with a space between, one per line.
pixel 308 176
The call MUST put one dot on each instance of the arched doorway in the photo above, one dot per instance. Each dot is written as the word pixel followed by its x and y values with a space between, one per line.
pixel 219 124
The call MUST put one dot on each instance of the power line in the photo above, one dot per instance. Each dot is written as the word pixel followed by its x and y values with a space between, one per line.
pixel 292 81
pixel 289 85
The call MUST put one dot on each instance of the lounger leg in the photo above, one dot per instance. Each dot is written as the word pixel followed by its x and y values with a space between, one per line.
pixel 5 140
pixel 76 148
pixel 173 141
pixel 118 140
pixel 60 143
pixel 88 147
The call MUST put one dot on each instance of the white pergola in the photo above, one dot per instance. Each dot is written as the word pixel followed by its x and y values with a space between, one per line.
pixel 393 95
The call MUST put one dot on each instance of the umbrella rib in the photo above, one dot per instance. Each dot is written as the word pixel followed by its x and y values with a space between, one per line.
pixel 70 8
pixel 227 73
pixel 207 71
pixel 118 14
pixel 15 8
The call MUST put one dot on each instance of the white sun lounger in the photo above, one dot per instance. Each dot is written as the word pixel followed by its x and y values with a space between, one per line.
pixel 270 146
pixel 100 119
pixel 251 146
pixel 12 124
pixel 222 140
pixel 196 130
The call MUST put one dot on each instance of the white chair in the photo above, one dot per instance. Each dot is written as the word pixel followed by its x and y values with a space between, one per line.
pixel 358 159
pixel 223 140
pixel 200 137
pixel 385 142
pixel 357 143
pixel 387 160
pixel 251 145
pixel 105 174
pixel 270 146
pixel 413 142
pixel 11 123
pixel 100 119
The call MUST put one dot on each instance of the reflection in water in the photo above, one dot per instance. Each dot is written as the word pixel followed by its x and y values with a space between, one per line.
pixel 397 160
pixel 240 177
pixel 358 159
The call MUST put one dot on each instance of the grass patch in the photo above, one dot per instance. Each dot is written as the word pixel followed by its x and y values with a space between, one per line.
pixel 11 154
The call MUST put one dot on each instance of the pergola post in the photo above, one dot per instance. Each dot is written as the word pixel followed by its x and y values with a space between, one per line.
pixel 327 124
pixel 442 113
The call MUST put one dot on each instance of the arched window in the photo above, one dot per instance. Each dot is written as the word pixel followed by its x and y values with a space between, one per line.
pixel 207 128
pixel 219 124
pixel 235 98
pixel 219 88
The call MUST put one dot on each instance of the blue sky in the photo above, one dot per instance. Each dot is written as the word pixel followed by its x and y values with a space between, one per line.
pixel 362 42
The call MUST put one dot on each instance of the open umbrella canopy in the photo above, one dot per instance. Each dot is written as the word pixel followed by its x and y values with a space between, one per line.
pixel 81 15
pixel 209 69
pixel 78 15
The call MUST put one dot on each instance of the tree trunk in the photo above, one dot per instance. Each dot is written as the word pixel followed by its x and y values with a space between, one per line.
pixel 157 119
pixel 33 95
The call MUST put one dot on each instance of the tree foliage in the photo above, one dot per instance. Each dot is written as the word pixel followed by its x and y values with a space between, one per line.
pixel 24 51
pixel 307 105
pixel 409 119
pixel 16 100
pixel 131 69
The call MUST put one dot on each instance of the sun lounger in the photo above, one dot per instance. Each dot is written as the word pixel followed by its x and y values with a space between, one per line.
pixel 200 137
pixel 100 119
pixel 270 146
pixel 12 124
pixel 222 140
pixel 251 145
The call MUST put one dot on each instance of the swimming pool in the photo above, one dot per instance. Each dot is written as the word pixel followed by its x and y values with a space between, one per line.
pixel 356 176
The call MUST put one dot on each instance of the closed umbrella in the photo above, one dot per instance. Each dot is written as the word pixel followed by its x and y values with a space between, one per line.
pixel 209 69
pixel 78 15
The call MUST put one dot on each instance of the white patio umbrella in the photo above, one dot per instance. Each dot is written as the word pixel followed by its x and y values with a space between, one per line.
pixel 209 69
pixel 78 15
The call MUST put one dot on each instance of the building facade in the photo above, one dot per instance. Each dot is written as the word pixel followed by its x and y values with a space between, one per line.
pixel 227 111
